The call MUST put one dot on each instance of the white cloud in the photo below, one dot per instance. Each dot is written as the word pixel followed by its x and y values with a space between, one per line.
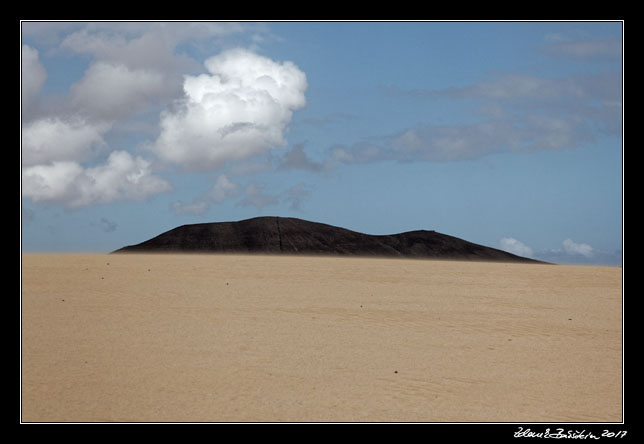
pixel 33 74
pixel 53 150
pixel 54 182
pixel 514 246
pixel 574 248
pixel 56 139
pixel 241 108
pixel 112 91
pixel 67 182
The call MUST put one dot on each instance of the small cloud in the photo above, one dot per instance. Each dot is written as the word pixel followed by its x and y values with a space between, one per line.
pixel 196 208
pixel 107 225
pixel 609 48
pixel 255 196
pixel 251 167
pixel 458 142
pixel 298 159
pixel 446 143
pixel 523 113
pixel 362 152
pixel 296 194
pixel 514 246
pixel 328 120
pixel 223 189
pixel 574 248
pixel 573 256
pixel 28 215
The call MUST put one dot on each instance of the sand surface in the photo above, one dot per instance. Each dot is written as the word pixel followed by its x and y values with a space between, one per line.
pixel 269 338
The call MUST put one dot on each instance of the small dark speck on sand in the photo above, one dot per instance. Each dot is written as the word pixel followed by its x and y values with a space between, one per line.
pixel 63 300
pixel 570 319
pixel 395 371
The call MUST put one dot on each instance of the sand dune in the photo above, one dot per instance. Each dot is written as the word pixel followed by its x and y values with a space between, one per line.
pixel 134 337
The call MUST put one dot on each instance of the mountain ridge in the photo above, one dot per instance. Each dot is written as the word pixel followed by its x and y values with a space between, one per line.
pixel 288 235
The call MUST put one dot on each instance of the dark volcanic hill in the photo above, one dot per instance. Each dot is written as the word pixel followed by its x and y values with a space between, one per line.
pixel 286 235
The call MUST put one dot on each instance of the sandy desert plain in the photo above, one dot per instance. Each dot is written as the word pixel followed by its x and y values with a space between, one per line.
pixel 241 338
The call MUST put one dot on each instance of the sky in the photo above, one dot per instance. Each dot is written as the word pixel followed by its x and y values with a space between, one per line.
pixel 506 134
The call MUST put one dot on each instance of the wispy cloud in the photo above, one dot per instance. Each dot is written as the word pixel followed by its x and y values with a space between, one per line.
pixel 457 142
pixel 28 215
pixel 515 113
pixel 223 189
pixel 519 112
pixel 328 120
pixel 107 225
pixel 583 49
pixel 196 208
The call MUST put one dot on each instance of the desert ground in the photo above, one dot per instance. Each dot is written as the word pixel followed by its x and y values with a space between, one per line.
pixel 234 338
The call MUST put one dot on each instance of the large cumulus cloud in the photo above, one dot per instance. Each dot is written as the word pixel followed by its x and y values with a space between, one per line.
pixel 239 109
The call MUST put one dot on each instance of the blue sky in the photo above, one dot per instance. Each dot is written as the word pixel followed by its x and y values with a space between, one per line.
pixel 507 134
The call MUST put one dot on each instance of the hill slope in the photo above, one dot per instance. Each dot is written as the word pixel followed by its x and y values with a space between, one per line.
pixel 285 235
